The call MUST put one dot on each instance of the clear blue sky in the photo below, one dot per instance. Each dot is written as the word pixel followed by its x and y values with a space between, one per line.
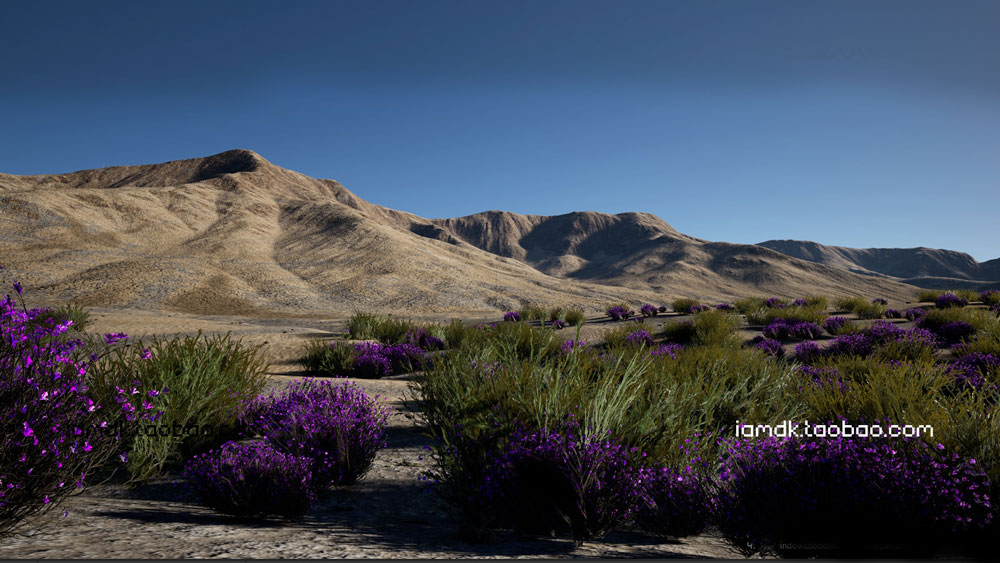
pixel 873 123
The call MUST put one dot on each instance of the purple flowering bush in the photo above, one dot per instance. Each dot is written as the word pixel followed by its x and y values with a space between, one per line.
pixel 807 352
pixel 338 426
pixel 684 305
pixel 775 303
pixel 838 325
pixel 948 300
pixel 782 329
pixel 800 303
pixel 250 480
pixel 649 310
pixel 725 307
pixel 990 297
pixel 893 314
pixel 639 338
pixel 914 313
pixel 619 313
pixel 53 434
pixel 768 346
pixel 679 500
pixel 857 344
pixel 420 337
pixel 955 332
pixel 976 370
pixel 512 317
pixel 880 301
pixel 564 483
pixel 834 497
pixel 669 349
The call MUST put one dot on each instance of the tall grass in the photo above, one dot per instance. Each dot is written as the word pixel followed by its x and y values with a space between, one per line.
pixel 684 304
pixel 209 379
pixel 384 328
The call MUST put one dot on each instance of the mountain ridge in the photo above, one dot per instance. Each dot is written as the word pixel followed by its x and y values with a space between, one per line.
pixel 233 232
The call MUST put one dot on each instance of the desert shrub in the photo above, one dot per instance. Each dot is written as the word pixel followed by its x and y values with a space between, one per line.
pixel 869 311
pixel 683 305
pixel 935 319
pixel 533 313
pixel 929 295
pixel 649 310
pixel 619 312
pixel 337 426
pixel 747 305
pixel 837 497
pixel 766 315
pixel 976 370
pixel 948 300
pixel 990 297
pixel 775 303
pixel 562 482
pixel 457 332
pixel 706 328
pixel 849 304
pixel 818 302
pixel 331 359
pixel 248 480
pixel 681 332
pixel 512 317
pixel 209 378
pixel 914 313
pixel 53 434
pixel 384 328
pixel 557 314
pixel 968 294
pixel 840 325
pixel 575 317
pixel 914 345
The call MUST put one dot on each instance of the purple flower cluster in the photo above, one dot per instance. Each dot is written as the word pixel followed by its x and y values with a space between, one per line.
pixel 914 313
pixel 774 303
pixel 823 377
pixel 955 332
pixel 52 432
pixel 252 480
pixel 639 338
pixel 995 309
pixel 946 300
pixel 990 297
pixel 881 332
pixel 374 359
pixel 893 314
pixel 781 329
pixel 768 346
pixel 833 324
pixel 880 301
pixel 338 427
pixel 799 302
pixel 649 310
pixel 783 495
pixel 571 345
pixel 512 317
pixel 560 482
pixel 972 369
pixel 807 352
pixel 725 307
pixel 421 338
pixel 678 501
pixel 619 313
pixel 668 349
pixel 698 308
pixel 857 344
pixel 558 324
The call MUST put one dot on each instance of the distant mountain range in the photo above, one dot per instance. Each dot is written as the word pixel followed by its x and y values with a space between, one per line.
pixel 234 234
pixel 923 267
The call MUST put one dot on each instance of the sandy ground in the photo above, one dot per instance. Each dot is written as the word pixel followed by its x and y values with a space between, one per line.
pixel 387 515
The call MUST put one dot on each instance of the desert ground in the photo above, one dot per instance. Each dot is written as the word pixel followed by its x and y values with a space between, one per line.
pixel 387 515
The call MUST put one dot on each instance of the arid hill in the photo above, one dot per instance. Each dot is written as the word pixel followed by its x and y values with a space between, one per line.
pixel 922 267
pixel 235 234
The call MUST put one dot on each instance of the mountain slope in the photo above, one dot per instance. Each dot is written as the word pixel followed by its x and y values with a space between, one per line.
pixel 233 233
pixel 923 267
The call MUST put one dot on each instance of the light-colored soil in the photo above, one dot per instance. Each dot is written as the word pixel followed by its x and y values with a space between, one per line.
pixel 387 515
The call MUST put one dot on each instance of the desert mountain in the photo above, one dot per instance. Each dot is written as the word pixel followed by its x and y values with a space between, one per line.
pixel 235 234
pixel 922 267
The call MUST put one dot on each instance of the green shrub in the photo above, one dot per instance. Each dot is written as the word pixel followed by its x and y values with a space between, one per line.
pixel 533 313
pixel 575 317
pixel 818 302
pixel 681 332
pixel 615 337
pixel 869 311
pixel 683 305
pixel 968 294
pixel 209 379
pixel 750 304
pixel 985 341
pixel 384 328
pixel 934 319
pixel 850 304
pixel 765 315
pixel 329 359
pixel 929 295
pixel 990 298
pixel 709 327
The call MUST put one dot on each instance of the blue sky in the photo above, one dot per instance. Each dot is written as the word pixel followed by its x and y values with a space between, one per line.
pixel 864 124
